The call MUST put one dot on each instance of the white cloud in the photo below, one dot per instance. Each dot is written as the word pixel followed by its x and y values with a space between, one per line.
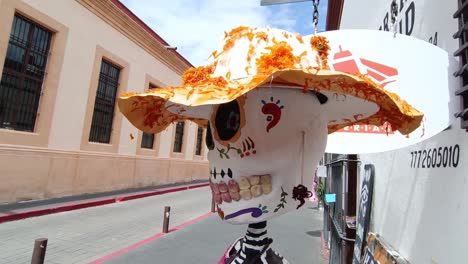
pixel 196 28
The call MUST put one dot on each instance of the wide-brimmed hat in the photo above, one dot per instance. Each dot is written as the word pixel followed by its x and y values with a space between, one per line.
pixel 250 58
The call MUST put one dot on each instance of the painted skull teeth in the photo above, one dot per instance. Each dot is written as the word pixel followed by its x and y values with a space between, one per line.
pixel 246 188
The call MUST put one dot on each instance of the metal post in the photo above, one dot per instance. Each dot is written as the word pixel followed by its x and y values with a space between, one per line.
pixel 213 209
pixel 167 213
pixel 40 246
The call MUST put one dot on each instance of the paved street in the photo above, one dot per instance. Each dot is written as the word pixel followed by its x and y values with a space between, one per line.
pixel 84 235
pixel 296 236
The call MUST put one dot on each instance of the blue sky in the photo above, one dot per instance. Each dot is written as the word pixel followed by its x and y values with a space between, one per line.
pixel 303 14
pixel 196 28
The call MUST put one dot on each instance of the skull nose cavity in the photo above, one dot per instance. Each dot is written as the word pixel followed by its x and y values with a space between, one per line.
pixel 246 188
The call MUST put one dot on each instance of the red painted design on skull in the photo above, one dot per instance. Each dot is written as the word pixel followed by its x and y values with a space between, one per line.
pixel 273 112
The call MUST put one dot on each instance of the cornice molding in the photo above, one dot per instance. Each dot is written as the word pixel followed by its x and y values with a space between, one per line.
pixel 118 19
pixel 334 12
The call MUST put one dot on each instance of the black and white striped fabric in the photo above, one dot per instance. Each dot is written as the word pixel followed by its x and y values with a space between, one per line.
pixel 254 248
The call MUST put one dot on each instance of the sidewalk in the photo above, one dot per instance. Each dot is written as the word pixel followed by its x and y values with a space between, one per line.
pixel 81 236
pixel 21 210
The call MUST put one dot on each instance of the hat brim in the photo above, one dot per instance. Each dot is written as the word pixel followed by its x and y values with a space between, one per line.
pixel 154 110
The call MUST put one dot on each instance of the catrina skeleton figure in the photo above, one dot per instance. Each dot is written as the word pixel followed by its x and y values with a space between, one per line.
pixel 268 101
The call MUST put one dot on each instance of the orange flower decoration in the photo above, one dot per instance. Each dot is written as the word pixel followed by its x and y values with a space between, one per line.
pixel 234 34
pixel 320 44
pixel 196 75
pixel 261 36
pixel 280 57
pixel 201 75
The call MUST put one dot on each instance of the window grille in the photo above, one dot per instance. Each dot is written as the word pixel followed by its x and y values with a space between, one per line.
pixel 23 74
pixel 198 148
pixel 462 52
pixel 179 137
pixel 103 114
pixel 147 140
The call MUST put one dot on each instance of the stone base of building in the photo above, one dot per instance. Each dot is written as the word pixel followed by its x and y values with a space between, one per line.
pixel 34 173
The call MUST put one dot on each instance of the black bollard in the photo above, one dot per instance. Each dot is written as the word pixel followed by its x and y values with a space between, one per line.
pixel 213 208
pixel 167 213
pixel 40 246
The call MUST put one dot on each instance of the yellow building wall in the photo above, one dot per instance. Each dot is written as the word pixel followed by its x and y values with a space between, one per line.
pixel 57 159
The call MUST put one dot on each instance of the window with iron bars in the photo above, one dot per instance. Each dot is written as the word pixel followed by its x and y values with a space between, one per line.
pixel 462 52
pixel 23 74
pixel 198 147
pixel 179 137
pixel 103 114
pixel 147 140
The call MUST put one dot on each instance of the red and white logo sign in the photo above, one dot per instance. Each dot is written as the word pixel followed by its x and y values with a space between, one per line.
pixel 385 129
pixel 344 61
pixel 418 72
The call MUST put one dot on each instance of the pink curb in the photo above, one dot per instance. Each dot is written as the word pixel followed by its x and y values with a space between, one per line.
pixel 86 204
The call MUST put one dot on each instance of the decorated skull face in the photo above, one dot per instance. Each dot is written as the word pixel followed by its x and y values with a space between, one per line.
pixel 263 151
pixel 270 97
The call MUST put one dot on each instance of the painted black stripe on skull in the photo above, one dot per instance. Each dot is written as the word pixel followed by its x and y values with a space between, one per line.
pixel 222 173
pixel 209 138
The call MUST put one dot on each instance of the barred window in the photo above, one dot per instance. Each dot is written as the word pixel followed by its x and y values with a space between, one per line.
pixel 147 140
pixel 462 52
pixel 23 74
pixel 103 114
pixel 179 137
pixel 198 147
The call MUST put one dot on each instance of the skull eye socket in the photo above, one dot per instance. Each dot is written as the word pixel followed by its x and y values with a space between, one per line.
pixel 228 120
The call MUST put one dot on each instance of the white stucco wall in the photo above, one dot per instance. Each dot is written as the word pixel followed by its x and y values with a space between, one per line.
pixel 166 143
pixel 422 212
pixel 190 140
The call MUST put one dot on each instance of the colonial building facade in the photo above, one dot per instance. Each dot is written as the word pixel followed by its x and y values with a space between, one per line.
pixel 63 65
